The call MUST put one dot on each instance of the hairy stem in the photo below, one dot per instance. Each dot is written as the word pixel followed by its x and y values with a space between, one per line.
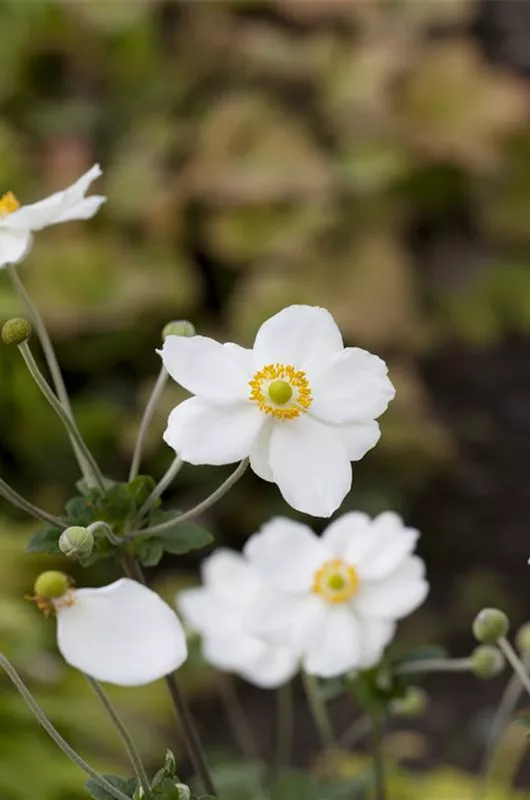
pixel 152 403
pixel 17 500
pixel 160 488
pixel 319 712
pixel 54 734
pixel 515 662
pixel 434 665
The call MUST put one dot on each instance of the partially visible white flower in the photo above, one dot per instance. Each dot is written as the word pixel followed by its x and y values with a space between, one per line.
pixel 220 611
pixel 299 404
pixel 18 222
pixel 336 599
pixel 122 633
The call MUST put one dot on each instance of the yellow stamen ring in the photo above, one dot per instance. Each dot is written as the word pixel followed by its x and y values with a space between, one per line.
pixel 8 204
pixel 281 390
pixel 336 581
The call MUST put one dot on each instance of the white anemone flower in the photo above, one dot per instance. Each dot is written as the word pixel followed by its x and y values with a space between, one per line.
pixel 336 598
pixel 220 611
pixel 299 404
pixel 123 633
pixel 17 222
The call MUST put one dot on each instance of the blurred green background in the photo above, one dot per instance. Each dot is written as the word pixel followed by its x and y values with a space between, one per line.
pixel 372 157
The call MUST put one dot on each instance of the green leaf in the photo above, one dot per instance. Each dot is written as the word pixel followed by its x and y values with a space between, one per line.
pixel 524 721
pixel 149 551
pixel 183 537
pixel 116 507
pixel 90 491
pixel 125 785
pixel 80 511
pixel 139 490
pixel 45 540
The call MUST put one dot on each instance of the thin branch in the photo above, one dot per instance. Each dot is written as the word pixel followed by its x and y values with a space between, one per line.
pixel 16 499
pixel 150 408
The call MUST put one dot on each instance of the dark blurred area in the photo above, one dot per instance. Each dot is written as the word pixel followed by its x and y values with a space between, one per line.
pixel 372 157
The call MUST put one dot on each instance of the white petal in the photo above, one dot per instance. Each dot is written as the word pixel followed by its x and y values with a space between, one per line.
pixel 48 211
pixel 14 245
pixel 396 596
pixel 231 653
pixel 198 607
pixel 310 465
pixel 85 209
pixel 378 552
pixel 206 368
pixel 274 667
pixel 358 438
pixel 123 634
pixel 203 433
pixel 229 574
pixel 353 388
pixel 376 636
pixel 259 455
pixel 337 646
pixel 339 533
pixel 299 336
pixel 286 554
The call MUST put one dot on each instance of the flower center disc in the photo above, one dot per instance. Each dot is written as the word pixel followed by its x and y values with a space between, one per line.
pixel 8 204
pixel 281 391
pixel 336 581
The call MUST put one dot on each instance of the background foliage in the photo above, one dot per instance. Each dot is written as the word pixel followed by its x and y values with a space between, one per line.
pixel 371 157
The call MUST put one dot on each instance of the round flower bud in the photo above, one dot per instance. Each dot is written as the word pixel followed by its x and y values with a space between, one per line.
pixel 184 792
pixel 490 625
pixel 76 542
pixel 51 584
pixel 179 327
pixel 522 638
pixel 16 331
pixel 413 704
pixel 487 662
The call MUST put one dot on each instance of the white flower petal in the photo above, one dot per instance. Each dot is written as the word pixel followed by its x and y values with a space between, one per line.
pixel 338 535
pixel 122 633
pixel 202 433
pixel 376 636
pixel 337 646
pixel 259 455
pixel 207 368
pixel 354 387
pixel 85 209
pixel 358 438
pixel 299 336
pixel 199 608
pixel 274 667
pixel 286 554
pixel 229 574
pixel 379 551
pixel 396 596
pixel 38 215
pixel 310 465
pixel 14 245
pixel 230 653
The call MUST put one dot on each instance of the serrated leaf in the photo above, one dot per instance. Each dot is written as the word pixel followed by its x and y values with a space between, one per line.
pixel 139 489
pixel 80 511
pixel 183 537
pixel 116 506
pixel 150 552
pixel 89 491
pixel 125 785
pixel 45 540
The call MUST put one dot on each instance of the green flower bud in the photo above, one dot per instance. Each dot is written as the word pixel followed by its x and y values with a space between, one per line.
pixel 76 542
pixel 16 331
pixel 522 638
pixel 179 327
pixel 51 584
pixel 414 704
pixel 183 791
pixel 490 625
pixel 487 662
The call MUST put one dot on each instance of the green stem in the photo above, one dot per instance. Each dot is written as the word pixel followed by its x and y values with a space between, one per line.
pixel 152 403
pixel 515 662
pixel 191 736
pixel 67 421
pixel 54 734
pixel 51 360
pixel 285 720
pixel 357 731
pixel 434 665
pixel 159 489
pixel 105 528
pixel 378 759
pixel 132 752
pixel 17 500
pixel 319 712
pixel 165 527
pixel 237 718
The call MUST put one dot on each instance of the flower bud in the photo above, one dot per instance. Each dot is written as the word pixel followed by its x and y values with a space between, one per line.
pixel 414 704
pixel 51 584
pixel 487 662
pixel 490 625
pixel 16 331
pixel 179 327
pixel 76 542
pixel 522 638
pixel 170 764
pixel 184 792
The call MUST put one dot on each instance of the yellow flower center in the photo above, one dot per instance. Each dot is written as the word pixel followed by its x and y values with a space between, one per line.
pixel 336 581
pixel 8 204
pixel 281 390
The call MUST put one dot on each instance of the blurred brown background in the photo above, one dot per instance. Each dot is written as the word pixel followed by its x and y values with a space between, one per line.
pixel 372 157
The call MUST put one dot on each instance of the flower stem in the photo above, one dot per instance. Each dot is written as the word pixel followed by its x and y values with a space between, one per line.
pixel 198 509
pixel 357 731
pixel 515 662
pixel 132 752
pixel 54 734
pixel 160 488
pixel 67 421
pixel 319 712
pixel 285 720
pixel 51 360
pixel 237 718
pixel 434 665
pixel 191 737
pixel 378 760
pixel 17 500
pixel 152 403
